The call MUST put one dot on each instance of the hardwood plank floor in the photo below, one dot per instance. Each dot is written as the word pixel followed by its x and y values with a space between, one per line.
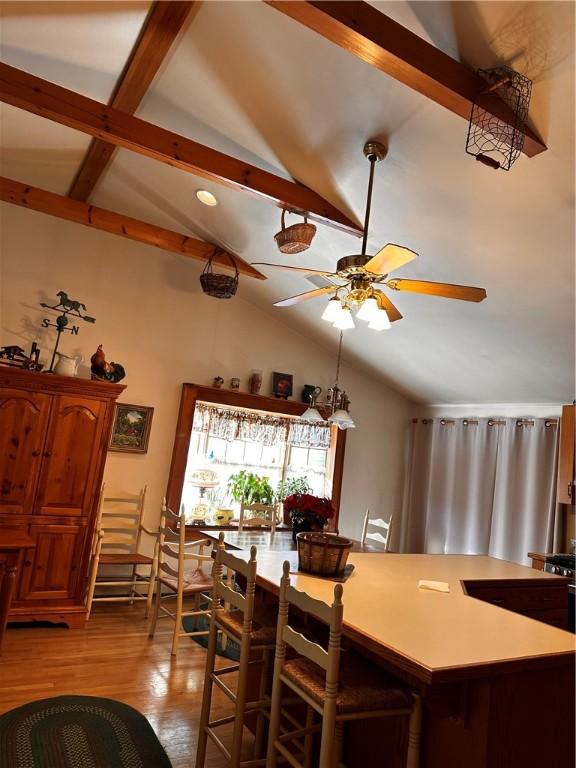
pixel 113 657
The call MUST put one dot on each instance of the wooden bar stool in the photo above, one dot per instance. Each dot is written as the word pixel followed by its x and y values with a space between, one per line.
pixel 253 628
pixel 357 691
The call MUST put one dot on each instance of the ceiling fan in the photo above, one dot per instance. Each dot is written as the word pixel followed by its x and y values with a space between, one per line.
pixel 356 276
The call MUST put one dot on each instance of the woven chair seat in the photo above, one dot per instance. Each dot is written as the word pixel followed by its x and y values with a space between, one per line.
pixel 125 558
pixel 195 581
pixel 263 624
pixel 363 687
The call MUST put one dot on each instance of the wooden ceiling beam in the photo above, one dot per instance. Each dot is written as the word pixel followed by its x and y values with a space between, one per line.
pixel 162 25
pixel 371 36
pixel 62 207
pixel 33 94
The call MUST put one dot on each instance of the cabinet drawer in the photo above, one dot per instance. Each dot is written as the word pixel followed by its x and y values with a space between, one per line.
pixel 557 617
pixel 523 598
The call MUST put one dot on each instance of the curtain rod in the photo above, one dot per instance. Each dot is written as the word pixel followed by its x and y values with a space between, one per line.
pixel 491 422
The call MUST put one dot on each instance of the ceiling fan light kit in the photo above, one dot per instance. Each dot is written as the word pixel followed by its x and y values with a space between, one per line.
pixel 358 276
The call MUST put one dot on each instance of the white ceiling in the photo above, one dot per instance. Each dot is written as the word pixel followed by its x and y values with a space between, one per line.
pixel 247 80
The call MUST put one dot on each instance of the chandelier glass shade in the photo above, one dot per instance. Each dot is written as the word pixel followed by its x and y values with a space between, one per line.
pixel 380 321
pixel 368 310
pixel 333 309
pixel 344 319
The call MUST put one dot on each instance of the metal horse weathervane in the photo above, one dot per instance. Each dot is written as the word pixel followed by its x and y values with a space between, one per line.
pixel 66 306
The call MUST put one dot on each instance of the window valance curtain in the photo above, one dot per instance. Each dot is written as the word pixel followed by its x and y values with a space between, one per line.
pixel 230 424
pixel 481 486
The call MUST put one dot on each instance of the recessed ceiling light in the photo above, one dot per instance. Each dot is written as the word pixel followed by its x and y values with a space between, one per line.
pixel 206 197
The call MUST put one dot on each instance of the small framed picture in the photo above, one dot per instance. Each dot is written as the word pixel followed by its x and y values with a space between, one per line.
pixel 131 429
pixel 282 385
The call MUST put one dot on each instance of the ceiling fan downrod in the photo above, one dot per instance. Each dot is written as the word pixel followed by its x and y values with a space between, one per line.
pixel 374 151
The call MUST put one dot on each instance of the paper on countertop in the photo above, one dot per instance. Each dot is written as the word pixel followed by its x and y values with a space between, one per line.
pixel 434 586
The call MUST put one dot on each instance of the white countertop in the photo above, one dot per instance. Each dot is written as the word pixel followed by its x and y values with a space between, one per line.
pixel 442 636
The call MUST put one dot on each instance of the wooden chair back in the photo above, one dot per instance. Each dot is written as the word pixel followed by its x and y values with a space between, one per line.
pixel 332 615
pixel 382 535
pixel 119 521
pixel 266 516
pixel 174 552
pixel 224 592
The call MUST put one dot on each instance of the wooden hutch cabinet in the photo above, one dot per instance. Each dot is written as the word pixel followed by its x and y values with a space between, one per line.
pixel 54 433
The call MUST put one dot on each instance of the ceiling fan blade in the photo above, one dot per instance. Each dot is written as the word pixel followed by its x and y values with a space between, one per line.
pixel 305 296
pixel 447 290
pixel 389 258
pixel 385 303
pixel 292 269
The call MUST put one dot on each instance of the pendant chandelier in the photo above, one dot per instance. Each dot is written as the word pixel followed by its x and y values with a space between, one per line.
pixel 337 401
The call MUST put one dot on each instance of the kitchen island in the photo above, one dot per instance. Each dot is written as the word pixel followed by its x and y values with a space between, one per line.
pixel 497 687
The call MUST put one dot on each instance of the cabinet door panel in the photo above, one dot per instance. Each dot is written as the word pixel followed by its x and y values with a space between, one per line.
pixel 51 571
pixel 23 422
pixel 71 456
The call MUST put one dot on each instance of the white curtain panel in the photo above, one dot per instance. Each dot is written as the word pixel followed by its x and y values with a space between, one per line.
pixel 480 486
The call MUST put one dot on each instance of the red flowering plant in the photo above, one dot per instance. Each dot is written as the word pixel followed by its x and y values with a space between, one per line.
pixel 307 512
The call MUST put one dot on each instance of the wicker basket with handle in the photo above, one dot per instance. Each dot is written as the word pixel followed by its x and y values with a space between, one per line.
pixel 217 285
pixel 296 237
pixel 323 553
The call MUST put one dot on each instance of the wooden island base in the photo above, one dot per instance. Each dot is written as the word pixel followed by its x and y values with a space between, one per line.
pixel 496 687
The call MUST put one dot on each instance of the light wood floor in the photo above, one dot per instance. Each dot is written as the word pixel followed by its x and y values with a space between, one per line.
pixel 114 658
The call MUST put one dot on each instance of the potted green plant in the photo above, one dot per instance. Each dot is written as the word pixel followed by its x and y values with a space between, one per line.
pixel 288 488
pixel 249 488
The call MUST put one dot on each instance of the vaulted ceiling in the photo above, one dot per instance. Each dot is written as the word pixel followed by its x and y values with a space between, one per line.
pixel 247 80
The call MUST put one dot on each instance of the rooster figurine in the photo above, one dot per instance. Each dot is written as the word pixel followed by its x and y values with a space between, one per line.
pixel 104 371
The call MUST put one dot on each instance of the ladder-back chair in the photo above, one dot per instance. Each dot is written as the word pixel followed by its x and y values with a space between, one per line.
pixel 253 628
pixel 117 543
pixel 263 516
pixel 335 693
pixel 382 535
pixel 175 581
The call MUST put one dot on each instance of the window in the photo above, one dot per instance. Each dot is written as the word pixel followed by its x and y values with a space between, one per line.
pixel 323 466
pixel 278 461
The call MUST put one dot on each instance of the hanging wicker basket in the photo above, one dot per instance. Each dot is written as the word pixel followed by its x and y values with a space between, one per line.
pixel 216 285
pixel 323 553
pixel 296 237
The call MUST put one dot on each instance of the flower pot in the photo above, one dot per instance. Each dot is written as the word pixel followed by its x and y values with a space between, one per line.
pixel 304 528
pixel 223 516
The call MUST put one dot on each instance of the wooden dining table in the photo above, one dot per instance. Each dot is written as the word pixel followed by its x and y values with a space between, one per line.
pixel 496 687
pixel 263 539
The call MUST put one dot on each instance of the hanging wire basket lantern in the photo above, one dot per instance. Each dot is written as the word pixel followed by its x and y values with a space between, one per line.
pixel 490 140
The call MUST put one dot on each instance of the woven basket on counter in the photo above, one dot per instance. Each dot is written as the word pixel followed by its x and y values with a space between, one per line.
pixel 216 285
pixel 323 553
pixel 296 237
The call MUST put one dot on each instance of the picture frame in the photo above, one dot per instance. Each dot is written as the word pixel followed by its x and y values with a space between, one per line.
pixel 282 385
pixel 131 430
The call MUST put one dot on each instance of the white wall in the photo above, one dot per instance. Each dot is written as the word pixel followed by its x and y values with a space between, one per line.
pixel 152 317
